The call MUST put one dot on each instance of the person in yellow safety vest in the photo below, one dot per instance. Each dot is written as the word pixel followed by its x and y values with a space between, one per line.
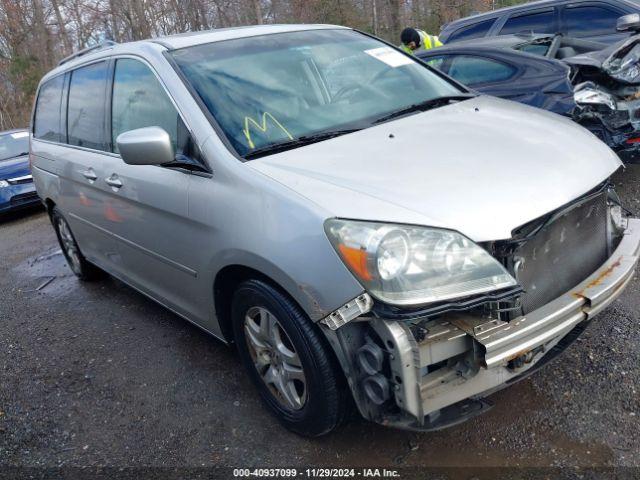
pixel 417 40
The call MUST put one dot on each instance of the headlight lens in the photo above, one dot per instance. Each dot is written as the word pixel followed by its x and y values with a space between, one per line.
pixel 405 265
pixel 4 183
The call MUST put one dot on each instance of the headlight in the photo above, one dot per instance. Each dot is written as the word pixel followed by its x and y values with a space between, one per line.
pixel 4 183
pixel 405 265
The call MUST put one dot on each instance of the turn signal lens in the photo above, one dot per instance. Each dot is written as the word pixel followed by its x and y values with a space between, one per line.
pixel 356 260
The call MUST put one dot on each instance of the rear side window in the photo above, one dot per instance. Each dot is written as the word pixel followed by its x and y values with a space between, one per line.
pixel 590 20
pixel 476 30
pixel 539 22
pixel 86 112
pixel 471 70
pixel 48 123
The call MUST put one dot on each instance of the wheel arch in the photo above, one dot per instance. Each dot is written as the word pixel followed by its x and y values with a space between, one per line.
pixel 49 204
pixel 232 275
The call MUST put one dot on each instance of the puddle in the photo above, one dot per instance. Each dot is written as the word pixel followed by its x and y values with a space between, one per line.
pixel 46 274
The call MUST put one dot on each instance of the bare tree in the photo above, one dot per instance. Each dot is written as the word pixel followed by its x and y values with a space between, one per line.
pixel 35 34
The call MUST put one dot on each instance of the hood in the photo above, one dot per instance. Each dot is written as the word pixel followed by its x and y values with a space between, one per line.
pixel 14 167
pixel 614 60
pixel 482 167
pixel 592 59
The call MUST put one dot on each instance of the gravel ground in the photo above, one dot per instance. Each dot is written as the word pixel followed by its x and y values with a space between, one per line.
pixel 98 375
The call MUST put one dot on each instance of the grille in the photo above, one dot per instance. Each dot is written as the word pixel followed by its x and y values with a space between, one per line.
pixel 562 254
pixel 23 198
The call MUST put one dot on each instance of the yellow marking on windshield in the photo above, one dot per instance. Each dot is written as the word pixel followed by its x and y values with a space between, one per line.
pixel 262 128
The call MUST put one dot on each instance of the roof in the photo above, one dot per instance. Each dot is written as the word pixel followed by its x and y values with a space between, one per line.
pixel 197 38
pixel 499 11
pixel 177 41
pixel 522 7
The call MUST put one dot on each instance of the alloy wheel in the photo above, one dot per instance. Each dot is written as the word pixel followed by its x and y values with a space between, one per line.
pixel 275 358
pixel 69 245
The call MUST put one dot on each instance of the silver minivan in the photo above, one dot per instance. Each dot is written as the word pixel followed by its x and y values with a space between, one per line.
pixel 366 231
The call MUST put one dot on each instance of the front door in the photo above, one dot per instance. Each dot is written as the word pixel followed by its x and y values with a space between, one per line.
pixel 156 238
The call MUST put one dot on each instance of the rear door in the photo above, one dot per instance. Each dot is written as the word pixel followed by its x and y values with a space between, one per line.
pixel 593 21
pixel 85 199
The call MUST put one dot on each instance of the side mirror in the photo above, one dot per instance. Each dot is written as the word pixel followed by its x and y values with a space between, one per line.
pixel 146 146
pixel 628 23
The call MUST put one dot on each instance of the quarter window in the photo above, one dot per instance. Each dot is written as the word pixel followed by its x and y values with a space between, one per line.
pixel 470 70
pixel 540 22
pixel 47 120
pixel 587 21
pixel 140 101
pixel 476 30
pixel 86 113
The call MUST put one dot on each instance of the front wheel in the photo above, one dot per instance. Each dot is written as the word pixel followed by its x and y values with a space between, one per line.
pixel 286 357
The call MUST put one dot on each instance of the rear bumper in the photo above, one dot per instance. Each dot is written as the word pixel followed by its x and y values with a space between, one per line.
pixel 462 358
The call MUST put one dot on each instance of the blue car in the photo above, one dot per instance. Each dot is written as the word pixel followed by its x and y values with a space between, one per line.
pixel 594 20
pixel 16 184
pixel 594 84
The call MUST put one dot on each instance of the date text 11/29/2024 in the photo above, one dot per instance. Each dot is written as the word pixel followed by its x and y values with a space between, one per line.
pixel 315 473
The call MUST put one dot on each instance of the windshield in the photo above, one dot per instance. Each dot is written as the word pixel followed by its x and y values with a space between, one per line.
pixel 278 88
pixel 14 145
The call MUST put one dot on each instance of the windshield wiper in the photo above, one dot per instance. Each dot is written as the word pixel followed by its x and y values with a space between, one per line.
pixel 297 142
pixel 424 106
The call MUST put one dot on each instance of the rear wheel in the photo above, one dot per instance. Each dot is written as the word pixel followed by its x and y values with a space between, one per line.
pixel 287 359
pixel 76 261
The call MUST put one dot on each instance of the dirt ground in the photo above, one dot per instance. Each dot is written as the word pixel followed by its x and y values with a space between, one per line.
pixel 98 375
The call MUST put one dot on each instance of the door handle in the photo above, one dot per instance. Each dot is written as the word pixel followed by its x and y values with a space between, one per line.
pixel 114 182
pixel 90 175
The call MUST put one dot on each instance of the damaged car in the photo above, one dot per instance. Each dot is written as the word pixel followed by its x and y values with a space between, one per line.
pixel 607 91
pixel 596 85
pixel 362 227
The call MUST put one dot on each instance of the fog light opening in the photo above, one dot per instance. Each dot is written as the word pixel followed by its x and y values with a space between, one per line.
pixel 376 388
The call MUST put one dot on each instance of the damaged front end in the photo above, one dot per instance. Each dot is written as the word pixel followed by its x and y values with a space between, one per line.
pixel 430 367
pixel 607 96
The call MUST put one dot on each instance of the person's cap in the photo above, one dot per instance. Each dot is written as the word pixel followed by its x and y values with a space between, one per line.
pixel 409 35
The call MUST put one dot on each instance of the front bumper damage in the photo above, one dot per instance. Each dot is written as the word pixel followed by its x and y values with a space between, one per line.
pixel 616 124
pixel 439 374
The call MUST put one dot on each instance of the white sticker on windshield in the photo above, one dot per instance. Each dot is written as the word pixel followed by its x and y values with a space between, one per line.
pixel 19 135
pixel 389 56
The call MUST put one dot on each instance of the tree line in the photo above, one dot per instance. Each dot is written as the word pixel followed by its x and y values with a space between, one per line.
pixel 36 34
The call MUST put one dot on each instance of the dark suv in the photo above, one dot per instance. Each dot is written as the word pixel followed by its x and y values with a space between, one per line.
pixel 588 19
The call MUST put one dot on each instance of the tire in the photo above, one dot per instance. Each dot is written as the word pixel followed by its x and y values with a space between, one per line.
pixel 268 328
pixel 78 264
